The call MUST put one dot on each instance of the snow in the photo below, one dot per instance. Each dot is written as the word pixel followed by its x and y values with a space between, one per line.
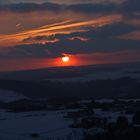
pixel 95 130
pixel 112 115
pixel 112 100
pixel 9 96
pixel 104 100
pixel 49 124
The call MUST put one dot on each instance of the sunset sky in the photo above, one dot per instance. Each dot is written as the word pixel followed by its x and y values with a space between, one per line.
pixel 37 33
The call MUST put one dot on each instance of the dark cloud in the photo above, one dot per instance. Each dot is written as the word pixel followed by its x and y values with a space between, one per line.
pixel 127 7
pixel 101 40
pixel 70 47
pixel 39 38
pixel 131 6
pixel 29 7
pixel 93 7
pixel 61 1
pixel 26 51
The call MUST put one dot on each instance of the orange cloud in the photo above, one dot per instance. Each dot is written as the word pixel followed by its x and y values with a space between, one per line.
pixel 135 35
pixel 84 39
pixel 64 27
pixel 135 22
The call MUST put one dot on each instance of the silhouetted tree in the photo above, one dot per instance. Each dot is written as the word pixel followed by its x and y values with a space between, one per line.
pixel 122 122
pixel 34 135
pixel 136 118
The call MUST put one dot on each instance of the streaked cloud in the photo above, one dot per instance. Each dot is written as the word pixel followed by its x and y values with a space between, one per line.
pixel 65 27
pixel 135 22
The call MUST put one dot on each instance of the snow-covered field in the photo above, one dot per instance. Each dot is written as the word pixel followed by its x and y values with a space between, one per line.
pixel 50 125
pixel 20 126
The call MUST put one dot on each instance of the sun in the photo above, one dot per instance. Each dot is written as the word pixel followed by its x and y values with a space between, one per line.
pixel 65 58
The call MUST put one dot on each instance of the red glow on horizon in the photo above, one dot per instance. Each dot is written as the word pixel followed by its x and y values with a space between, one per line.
pixel 75 60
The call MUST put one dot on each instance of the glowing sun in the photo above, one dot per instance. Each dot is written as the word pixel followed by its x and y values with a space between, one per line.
pixel 65 59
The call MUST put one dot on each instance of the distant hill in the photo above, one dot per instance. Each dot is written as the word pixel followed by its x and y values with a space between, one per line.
pixel 76 83
pixel 58 91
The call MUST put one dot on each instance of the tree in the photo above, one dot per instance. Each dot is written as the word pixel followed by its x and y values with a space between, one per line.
pixel 122 122
pixel 136 118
